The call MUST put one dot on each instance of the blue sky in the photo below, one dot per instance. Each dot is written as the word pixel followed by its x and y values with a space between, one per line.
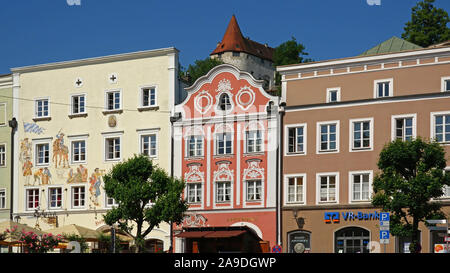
pixel 45 31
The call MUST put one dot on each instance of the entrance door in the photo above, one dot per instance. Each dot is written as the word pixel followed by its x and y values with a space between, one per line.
pixel 352 240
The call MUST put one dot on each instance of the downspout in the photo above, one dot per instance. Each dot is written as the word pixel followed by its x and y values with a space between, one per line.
pixel 13 124
pixel 172 160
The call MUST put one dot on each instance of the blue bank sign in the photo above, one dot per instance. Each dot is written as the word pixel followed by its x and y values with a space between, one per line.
pixel 336 217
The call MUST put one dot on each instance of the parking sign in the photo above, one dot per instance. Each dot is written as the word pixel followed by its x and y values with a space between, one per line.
pixel 384 236
pixel 384 216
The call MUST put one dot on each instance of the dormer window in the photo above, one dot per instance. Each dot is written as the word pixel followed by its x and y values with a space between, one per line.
pixel 224 102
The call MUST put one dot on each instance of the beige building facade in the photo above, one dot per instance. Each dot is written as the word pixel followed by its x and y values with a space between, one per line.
pixel 339 114
pixel 79 118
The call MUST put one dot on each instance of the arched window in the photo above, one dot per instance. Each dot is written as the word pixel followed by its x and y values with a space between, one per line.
pixel 351 240
pixel 154 246
pixel 224 102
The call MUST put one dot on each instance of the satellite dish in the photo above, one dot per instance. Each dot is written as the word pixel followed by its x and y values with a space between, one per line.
pixel 299 248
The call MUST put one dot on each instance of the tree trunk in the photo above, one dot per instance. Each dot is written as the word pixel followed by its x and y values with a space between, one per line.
pixel 415 246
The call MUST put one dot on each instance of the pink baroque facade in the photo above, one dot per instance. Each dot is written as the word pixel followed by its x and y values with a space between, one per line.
pixel 226 150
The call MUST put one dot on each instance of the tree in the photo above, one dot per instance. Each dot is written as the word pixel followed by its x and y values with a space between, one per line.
pixel 289 52
pixel 198 69
pixel 428 25
pixel 144 194
pixel 412 173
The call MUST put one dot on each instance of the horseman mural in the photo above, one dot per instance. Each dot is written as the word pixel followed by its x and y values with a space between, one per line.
pixel 60 151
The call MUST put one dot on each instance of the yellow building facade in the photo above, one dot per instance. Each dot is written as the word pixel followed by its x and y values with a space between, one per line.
pixel 79 118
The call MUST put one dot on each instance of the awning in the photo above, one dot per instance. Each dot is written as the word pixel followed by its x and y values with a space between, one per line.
pixel 211 234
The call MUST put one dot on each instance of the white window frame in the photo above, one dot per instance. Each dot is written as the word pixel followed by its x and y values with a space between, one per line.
pixel 443 85
pixel 36 102
pixel 197 152
pixel 37 142
pixel 49 190
pixel 394 125
pixel 107 136
pixel 261 191
pixel 255 141
pixel 446 188
pixel 318 176
pixel 216 192
pixel 72 96
pixel 120 100
pixel 72 198
pixel 107 205
pixel 391 88
pixel 338 94
pixel 351 174
pixel 141 96
pixel 3 198
pixel 5 105
pixel 72 140
pixel 286 190
pixel 196 195
pixel 351 134
pixel 148 132
pixel 3 156
pixel 433 125
pixel 216 143
pixel 286 146
pixel 27 208
pixel 318 137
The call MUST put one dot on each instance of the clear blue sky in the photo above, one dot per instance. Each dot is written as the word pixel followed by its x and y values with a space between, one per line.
pixel 44 31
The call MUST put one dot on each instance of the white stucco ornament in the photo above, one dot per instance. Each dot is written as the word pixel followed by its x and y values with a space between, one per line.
pixel 224 86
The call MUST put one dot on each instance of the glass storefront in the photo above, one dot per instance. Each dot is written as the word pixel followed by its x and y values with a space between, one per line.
pixel 352 240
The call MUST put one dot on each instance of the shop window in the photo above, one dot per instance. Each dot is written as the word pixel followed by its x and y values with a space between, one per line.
pixel 352 240
pixel 403 243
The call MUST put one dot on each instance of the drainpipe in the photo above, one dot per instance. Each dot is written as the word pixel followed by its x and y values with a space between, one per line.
pixel 172 160
pixel 280 169
pixel 13 124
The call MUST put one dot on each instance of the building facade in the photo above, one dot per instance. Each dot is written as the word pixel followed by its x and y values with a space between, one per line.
pixel 226 150
pixel 339 114
pixel 246 54
pixel 79 118
pixel 5 146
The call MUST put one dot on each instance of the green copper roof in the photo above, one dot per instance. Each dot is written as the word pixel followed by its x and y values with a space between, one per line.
pixel 392 45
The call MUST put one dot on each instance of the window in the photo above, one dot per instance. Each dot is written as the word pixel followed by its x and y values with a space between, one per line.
pixel 78 197
pixel 195 146
pixel 253 141
pixel 148 97
pixel 254 190
pixel 223 192
pixel 2 155
pixel 297 139
pixel 113 100
pixel 224 143
pixel 334 94
pixel 55 198
pixel 445 85
pixel 296 189
pixel 112 148
pixel 441 129
pixel 78 151
pixel 328 136
pixel 32 199
pixel 78 104
pixel 110 202
pixel 42 154
pixel 327 187
pixel 194 193
pixel 352 240
pixel 383 88
pixel 360 186
pixel 2 198
pixel 3 117
pixel 361 134
pixel 149 145
pixel 42 108
pixel 446 188
pixel 235 53
pixel 224 102
pixel 404 127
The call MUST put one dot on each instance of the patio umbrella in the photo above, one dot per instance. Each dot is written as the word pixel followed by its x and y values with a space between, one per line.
pixel 11 225
pixel 89 234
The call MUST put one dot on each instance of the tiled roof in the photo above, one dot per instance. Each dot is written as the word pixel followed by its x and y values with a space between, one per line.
pixel 392 45
pixel 233 40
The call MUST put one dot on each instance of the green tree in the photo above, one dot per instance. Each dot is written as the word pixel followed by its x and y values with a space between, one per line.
pixel 428 25
pixel 198 69
pixel 136 183
pixel 412 173
pixel 289 52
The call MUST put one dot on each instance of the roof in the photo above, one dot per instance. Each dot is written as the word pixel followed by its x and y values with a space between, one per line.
pixel 392 45
pixel 215 232
pixel 233 40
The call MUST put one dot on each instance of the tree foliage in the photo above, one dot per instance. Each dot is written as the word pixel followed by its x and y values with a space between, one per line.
pixel 198 69
pixel 428 25
pixel 145 194
pixel 412 173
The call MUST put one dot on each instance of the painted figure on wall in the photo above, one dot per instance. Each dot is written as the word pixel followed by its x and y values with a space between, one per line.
pixel 42 176
pixel 26 171
pixel 25 150
pixel 81 176
pixel 95 183
pixel 60 151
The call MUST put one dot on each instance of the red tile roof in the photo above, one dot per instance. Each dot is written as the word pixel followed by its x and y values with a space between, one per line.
pixel 233 40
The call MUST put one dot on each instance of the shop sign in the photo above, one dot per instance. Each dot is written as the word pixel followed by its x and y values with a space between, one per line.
pixel 350 216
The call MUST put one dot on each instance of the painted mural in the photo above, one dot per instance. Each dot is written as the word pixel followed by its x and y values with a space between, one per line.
pixel 95 181
pixel 60 151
